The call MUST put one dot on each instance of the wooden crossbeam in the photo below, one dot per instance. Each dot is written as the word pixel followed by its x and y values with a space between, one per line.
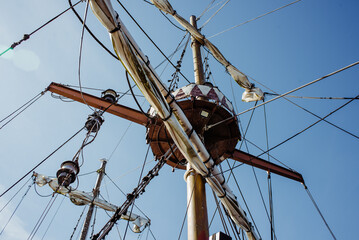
pixel 254 161
pixel 96 102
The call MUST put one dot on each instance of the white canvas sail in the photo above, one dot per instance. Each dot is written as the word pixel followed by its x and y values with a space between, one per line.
pixel 174 119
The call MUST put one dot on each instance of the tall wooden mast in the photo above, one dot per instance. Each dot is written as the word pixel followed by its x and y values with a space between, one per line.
pixel 197 220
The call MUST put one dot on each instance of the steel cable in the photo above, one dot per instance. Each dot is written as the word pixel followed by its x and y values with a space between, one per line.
pixel 42 217
pixel 14 195
pixel 27 36
pixel 289 92
pixel 287 5
pixel 25 106
pixel 320 213
pixel 41 162
pixel 18 205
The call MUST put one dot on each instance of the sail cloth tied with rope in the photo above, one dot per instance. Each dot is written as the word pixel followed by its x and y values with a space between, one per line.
pixel 251 93
pixel 162 102
pixel 82 198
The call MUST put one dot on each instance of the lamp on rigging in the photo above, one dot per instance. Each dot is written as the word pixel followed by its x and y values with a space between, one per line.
pixel 94 122
pixel 67 173
pixel 109 95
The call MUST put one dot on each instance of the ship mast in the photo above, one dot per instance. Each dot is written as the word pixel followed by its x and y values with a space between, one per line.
pixel 95 192
pixel 197 221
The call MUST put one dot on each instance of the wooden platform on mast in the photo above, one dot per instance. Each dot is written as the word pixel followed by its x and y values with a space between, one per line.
pixel 219 140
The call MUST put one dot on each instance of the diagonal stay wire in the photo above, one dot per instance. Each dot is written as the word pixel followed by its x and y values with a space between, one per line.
pixel 144 32
pixel 205 10
pixel 287 5
pixel 220 214
pixel 317 116
pixel 41 162
pixel 139 180
pixel 149 229
pixel 78 222
pixel 305 129
pixel 297 105
pixel 262 150
pixel 269 180
pixel 15 195
pixel 28 102
pixel 289 92
pixel 52 219
pixel 183 30
pixel 307 97
pixel 188 203
pixel 90 32
pixel 18 205
pixel 25 106
pixel 244 200
pixel 42 217
pixel 80 54
pixel 125 195
pixel 210 18
pixel 27 36
pixel 300 132
pixel 320 213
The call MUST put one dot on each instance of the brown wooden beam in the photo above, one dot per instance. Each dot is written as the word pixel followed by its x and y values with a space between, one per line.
pixel 265 165
pixel 96 102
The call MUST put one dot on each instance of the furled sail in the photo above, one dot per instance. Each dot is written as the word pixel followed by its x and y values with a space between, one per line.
pixel 251 93
pixel 82 198
pixel 177 124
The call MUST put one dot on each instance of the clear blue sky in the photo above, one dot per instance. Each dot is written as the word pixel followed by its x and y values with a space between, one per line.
pixel 282 51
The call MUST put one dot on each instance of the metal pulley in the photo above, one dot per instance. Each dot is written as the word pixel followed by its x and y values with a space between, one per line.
pixel 67 173
pixel 109 95
pixel 94 122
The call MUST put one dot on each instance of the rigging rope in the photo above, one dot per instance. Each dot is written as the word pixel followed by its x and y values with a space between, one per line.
pixel 41 162
pixel 220 214
pixel 78 222
pixel 27 36
pixel 94 222
pixel 175 78
pixel 173 53
pixel 122 94
pixel 24 106
pixel 300 132
pixel 305 129
pixel 287 93
pixel 188 203
pixel 233 226
pixel 304 97
pixel 139 181
pixel 183 30
pixel 80 54
pixel 130 199
pixel 15 195
pixel 118 143
pixel 42 217
pixel 134 20
pixel 244 200
pixel 209 19
pixel 125 195
pixel 39 193
pixel 92 35
pixel 52 219
pixel 320 213
pixel 151 232
pixel 297 105
pixel 269 180
pixel 134 97
pixel 287 5
pixel 18 205
pixel 205 10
